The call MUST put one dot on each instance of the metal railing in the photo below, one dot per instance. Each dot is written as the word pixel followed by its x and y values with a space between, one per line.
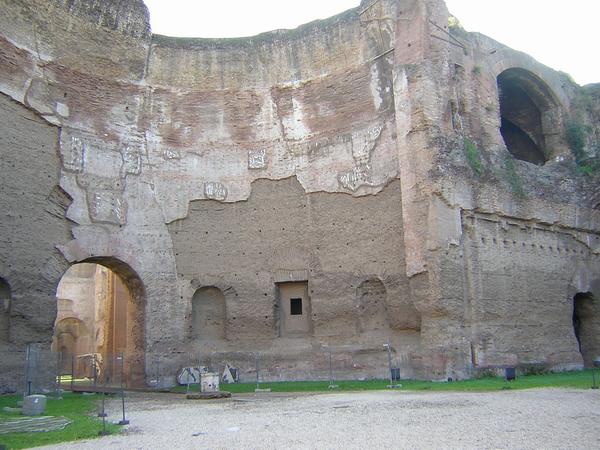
pixel 46 372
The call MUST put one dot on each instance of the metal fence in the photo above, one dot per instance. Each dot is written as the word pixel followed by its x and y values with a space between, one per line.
pixel 37 370
pixel 47 372
pixel 329 364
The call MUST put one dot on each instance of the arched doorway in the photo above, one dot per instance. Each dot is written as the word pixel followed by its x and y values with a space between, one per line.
pixel 208 314
pixel 527 110
pixel 100 316
pixel 5 299
pixel 586 325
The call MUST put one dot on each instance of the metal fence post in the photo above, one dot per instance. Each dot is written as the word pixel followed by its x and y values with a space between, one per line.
pixel 388 346
pixel 58 375
pixel 94 370
pixel 332 384
pixel 72 371
pixel 103 414
pixel 27 362
pixel 158 372
pixel 257 371
pixel 123 421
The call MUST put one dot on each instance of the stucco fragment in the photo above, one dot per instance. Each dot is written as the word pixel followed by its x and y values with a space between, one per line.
pixel 215 191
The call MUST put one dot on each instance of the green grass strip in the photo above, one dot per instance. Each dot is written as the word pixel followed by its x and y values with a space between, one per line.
pixel 576 380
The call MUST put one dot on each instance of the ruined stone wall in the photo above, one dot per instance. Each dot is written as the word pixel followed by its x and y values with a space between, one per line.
pixel 175 149
pixel 339 241
pixel 464 284
pixel 33 208
pixel 310 102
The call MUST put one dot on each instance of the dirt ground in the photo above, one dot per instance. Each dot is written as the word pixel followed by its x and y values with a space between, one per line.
pixel 541 418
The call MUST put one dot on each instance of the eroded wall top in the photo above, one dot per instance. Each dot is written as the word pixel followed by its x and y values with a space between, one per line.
pixel 149 123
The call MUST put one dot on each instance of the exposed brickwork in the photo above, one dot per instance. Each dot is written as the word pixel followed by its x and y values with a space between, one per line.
pixel 365 148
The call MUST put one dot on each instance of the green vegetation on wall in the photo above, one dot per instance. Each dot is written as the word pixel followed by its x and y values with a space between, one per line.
pixel 456 28
pixel 473 157
pixel 576 134
pixel 513 178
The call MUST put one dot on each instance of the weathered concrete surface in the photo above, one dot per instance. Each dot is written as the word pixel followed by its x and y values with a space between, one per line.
pixel 384 113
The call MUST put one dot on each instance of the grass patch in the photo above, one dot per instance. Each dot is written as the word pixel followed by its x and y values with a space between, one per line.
pixel 585 169
pixel 473 157
pixel 81 409
pixel 577 380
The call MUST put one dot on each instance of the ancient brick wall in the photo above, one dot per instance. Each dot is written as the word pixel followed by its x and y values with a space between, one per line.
pixel 364 155
pixel 33 223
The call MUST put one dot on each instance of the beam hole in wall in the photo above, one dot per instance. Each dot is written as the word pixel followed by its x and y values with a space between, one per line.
pixel 586 326
pixel 5 301
pixel 526 109
pixel 100 315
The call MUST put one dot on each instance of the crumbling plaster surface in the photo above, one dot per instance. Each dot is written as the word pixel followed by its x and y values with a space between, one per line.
pixel 130 126
pixel 150 124
pixel 310 103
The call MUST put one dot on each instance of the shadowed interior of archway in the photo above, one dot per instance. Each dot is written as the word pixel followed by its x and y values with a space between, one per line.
pixel 99 318
pixel 524 101
pixel 586 325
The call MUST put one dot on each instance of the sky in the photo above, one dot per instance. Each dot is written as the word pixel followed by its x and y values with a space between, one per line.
pixel 564 35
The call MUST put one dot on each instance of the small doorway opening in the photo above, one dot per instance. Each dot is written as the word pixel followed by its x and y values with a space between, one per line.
pixel 586 325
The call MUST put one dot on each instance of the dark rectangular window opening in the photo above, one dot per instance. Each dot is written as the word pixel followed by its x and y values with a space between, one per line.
pixel 295 306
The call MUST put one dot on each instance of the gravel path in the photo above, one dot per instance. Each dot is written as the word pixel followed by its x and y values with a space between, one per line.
pixel 544 418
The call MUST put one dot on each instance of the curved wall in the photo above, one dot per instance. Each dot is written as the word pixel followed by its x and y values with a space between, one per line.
pixel 363 115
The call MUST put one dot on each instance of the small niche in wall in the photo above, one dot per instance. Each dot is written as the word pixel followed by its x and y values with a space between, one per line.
pixel 372 305
pixel 208 314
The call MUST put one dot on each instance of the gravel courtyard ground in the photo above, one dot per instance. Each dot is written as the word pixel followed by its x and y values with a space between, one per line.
pixel 542 418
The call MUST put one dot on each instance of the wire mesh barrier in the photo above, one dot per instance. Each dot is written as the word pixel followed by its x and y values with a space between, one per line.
pixel 328 365
pixel 44 372
pixel 37 370
pixel 41 367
